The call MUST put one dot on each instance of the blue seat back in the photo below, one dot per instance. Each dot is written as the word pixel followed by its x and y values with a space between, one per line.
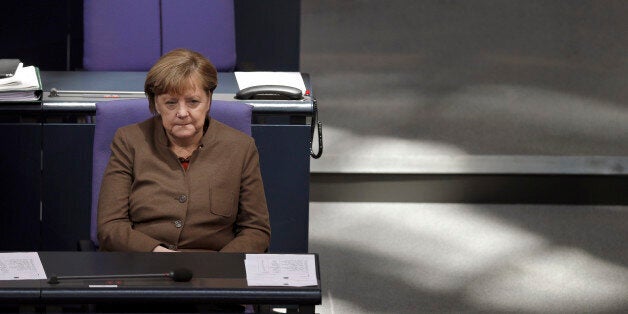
pixel 130 35
pixel 111 115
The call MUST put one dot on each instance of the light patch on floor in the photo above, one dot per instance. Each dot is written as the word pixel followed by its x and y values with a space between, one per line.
pixel 453 257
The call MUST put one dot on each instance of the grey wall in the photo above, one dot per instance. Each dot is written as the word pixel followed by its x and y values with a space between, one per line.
pixel 468 78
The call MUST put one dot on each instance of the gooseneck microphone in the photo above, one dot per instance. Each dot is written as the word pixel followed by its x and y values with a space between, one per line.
pixel 178 275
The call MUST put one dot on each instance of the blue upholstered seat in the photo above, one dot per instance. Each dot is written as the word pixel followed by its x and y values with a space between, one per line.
pixel 110 115
pixel 130 35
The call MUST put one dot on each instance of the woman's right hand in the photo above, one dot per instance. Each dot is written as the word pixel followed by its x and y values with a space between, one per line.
pixel 162 249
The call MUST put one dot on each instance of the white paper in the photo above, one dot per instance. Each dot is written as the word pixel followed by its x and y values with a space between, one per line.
pixel 25 79
pixel 21 266
pixel 280 270
pixel 292 79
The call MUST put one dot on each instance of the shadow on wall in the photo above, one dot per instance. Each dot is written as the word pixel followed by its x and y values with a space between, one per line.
pixel 534 69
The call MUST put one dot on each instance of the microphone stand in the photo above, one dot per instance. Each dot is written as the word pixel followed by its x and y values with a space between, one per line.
pixel 179 275
pixel 56 279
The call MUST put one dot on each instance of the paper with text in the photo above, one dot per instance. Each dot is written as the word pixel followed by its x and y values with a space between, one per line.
pixel 280 270
pixel 21 266
pixel 248 79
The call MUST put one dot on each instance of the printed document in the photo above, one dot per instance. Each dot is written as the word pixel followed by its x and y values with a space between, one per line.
pixel 21 266
pixel 296 270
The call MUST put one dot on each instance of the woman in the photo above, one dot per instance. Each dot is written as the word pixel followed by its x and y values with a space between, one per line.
pixel 181 181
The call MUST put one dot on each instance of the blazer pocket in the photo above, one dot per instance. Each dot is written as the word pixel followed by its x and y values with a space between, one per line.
pixel 223 202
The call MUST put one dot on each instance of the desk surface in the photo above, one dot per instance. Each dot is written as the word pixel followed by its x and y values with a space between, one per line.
pixel 134 82
pixel 218 278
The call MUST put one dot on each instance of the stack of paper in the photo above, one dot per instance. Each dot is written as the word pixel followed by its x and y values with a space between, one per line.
pixel 23 86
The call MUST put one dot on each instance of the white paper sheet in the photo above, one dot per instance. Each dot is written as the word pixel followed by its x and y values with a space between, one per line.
pixel 25 79
pixel 292 79
pixel 21 266
pixel 280 270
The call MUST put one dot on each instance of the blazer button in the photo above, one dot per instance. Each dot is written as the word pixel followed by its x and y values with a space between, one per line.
pixel 178 223
pixel 172 246
pixel 182 198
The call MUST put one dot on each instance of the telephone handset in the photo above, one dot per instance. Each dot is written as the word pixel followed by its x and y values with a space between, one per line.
pixel 281 92
pixel 272 92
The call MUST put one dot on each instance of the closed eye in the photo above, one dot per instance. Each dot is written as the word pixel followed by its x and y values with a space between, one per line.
pixel 193 103
pixel 171 104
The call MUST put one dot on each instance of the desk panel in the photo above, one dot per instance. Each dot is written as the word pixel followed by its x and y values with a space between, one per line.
pixel 20 186
pixel 285 165
pixel 66 189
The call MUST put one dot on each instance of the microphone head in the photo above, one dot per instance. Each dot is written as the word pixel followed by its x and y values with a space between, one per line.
pixel 53 280
pixel 181 275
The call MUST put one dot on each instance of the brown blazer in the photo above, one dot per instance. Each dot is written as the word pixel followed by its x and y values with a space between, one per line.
pixel 147 198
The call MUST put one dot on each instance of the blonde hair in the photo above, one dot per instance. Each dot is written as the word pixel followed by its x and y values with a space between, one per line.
pixel 177 71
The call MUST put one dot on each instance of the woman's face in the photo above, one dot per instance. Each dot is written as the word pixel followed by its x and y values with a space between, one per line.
pixel 183 116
